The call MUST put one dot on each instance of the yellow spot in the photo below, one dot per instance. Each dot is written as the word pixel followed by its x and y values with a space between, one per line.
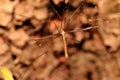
pixel 6 74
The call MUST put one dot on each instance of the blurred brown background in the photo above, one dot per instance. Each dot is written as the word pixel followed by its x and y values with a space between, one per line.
pixel 94 57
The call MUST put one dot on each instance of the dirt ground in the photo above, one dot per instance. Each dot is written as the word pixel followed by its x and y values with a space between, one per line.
pixel 94 54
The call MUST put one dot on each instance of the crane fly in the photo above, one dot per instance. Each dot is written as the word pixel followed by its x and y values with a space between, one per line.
pixel 62 32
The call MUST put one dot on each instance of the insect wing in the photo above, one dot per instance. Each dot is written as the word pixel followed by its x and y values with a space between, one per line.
pixel 44 40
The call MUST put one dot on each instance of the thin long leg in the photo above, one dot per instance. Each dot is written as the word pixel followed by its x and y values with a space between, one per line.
pixel 85 29
pixel 56 12
pixel 77 10
pixel 67 16
pixel 58 15
pixel 57 27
